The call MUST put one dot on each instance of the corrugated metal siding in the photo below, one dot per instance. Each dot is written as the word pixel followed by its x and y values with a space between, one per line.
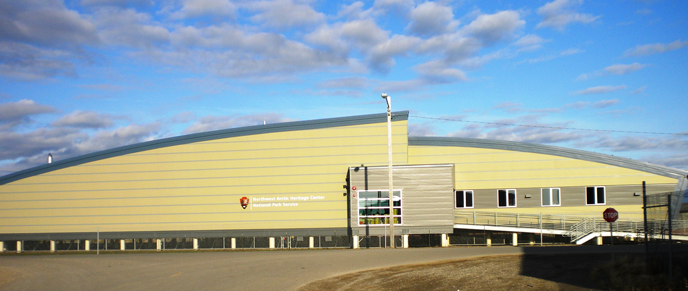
pixel 427 197
pixel 197 186
pixel 573 200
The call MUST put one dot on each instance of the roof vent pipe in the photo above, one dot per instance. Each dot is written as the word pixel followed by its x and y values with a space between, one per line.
pixel 50 158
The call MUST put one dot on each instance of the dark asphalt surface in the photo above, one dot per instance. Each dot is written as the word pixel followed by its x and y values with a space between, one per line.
pixel 230 270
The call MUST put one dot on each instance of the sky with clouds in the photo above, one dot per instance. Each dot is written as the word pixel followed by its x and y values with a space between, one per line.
pixel 88 75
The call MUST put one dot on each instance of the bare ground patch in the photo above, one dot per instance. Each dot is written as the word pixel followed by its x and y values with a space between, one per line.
pixel 515 272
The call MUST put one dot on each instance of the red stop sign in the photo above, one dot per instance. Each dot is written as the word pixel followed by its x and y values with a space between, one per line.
pixel 610 214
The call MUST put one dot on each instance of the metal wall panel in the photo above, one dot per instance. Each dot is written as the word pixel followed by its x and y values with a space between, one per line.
pixel 573 200
pixel 293 179
pixel 427 197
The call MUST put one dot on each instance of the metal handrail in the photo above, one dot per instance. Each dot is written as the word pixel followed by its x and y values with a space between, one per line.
pixel 564 222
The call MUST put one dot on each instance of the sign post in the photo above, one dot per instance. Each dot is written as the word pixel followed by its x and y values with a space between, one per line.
pixel 611 215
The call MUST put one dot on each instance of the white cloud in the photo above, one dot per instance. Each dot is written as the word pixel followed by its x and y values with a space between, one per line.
pixel 437 72
pixel 621 69
pixel 353 11
pixel 130 28
pixel 48 24
pixel 564 53
pixel 491 28
pixel 398 7
pixel 605 103
pixel 118 3
pixel 108 139
pixel 600 90
pixel 350 82
pixel 531 134
pixel 210 123
pixel 102 87
pixel 529 42
pixel 559 13
pixel 198 8
pixel 183 117
pixel 430 18
pixel 577 105
pixel 22 110
pixel 509 106
pixel 24 145
pixel 285 14
pixel 424 129
pixel 639 90
pixel 679 161
pixel 84 119
pixel 650 49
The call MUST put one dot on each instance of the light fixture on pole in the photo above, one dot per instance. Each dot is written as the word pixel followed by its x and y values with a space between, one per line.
pixel 391 180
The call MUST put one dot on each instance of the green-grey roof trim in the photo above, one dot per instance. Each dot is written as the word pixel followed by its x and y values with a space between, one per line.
pixel 204 136
pixel 547 150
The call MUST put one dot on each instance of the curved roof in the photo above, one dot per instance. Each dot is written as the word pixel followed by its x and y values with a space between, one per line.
pixel 203 136
pixel 548 150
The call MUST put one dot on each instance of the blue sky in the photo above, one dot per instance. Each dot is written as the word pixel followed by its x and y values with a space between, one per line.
pixel 88 75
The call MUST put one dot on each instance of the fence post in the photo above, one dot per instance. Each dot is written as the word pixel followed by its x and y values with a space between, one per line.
pixel 518 220
pixel 495 218
pixel 540 222
pixel 473 217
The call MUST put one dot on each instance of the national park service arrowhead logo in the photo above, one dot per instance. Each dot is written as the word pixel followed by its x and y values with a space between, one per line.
pixel 244 202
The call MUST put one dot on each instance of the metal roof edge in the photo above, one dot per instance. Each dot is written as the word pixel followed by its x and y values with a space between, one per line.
pixel 548 150
pixel 204 136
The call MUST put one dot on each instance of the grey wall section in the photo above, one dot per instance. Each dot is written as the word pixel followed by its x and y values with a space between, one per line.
pixel 548 150
pixel 176 234
pixel 427 197
pixel 570 196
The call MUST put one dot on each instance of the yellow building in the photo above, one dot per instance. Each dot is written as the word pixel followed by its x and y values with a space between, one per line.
pixel 296 179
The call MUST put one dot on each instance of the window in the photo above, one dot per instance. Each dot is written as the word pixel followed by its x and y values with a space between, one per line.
pixel 464 199
pixel 551 196
pixel 595 195
pixel 507 198
pixel 373 207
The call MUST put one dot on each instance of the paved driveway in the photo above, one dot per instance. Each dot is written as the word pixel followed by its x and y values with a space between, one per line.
pixel 230 270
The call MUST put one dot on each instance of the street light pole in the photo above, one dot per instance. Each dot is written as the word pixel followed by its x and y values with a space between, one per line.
pixel 391 180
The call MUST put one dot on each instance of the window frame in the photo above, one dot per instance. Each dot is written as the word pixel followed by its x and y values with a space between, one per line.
pixel 381 199
pixel 596 195
pixel 464 199
pixel 551 204
pixel 506 191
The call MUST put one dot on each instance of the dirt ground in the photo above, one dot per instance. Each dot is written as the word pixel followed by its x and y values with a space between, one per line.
pixel 517 272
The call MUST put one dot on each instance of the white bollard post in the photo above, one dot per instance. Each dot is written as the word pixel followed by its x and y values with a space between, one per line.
pixel 19 247
pixel 52 246
pixel 311 243
pixel 233 243
pixel 87 245
pixel 2 246
pixel 514 239
pixel 195 244
pixel 488 241
pixel 158 244
pixel 122 246
pixel 445 240
pixel 404 243
pixel 355 241
pixel 272 242
pixel 599 240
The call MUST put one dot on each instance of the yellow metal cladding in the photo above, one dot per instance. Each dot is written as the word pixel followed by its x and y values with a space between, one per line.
pixel 293 179
pixel 479 168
